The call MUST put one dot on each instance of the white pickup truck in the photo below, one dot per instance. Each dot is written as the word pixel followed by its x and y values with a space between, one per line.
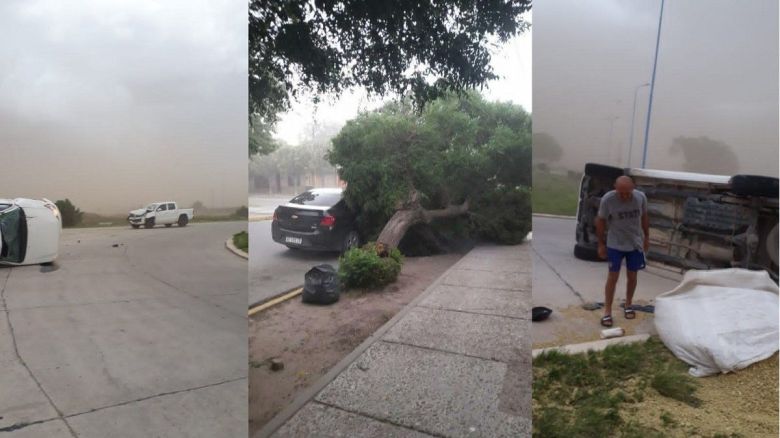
pixel 160 213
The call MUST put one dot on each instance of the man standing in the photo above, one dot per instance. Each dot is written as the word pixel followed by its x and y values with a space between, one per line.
pixel 623 231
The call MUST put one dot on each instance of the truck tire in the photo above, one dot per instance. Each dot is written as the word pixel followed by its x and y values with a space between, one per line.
pixel 183 219
pixel 149 223
pixel 135 226
pixel 587 252
pixel 602 170
pixel 754 185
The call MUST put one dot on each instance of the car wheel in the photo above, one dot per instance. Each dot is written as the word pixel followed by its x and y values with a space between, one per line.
pixel 135 226
pixel 352 240
pixel 183 219
pixel 149 223
pixel 772 244
pixel 587 252
pixel 754 185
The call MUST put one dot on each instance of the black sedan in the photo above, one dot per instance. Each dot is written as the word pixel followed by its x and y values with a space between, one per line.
pixel 317 219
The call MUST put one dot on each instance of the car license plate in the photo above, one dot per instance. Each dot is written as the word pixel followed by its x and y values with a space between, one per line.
pixel 295 240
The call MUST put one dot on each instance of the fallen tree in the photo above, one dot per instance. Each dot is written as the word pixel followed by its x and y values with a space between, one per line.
pixel 453 161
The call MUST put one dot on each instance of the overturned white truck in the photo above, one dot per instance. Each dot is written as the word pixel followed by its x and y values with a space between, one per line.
pixel 697 221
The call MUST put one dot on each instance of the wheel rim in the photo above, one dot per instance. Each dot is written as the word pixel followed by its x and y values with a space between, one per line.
pixel 352 241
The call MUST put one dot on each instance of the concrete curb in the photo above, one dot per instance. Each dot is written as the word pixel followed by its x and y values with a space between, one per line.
pixel 232 248
pixel 599 345
pixel 309 394
pixel 554 216
pixel 260 218
pixel 269 299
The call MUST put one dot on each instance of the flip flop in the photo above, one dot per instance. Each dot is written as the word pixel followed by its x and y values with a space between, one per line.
pixel 629 313
pixel 640 308
pixel 606 321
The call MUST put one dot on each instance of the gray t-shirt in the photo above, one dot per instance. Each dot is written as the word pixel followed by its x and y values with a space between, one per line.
pixel 624 220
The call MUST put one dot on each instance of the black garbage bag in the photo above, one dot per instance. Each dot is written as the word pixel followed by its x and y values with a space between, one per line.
pixel 540 313
pixel 321 285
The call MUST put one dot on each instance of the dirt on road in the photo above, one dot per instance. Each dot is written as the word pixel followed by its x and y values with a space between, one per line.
pixel 309 339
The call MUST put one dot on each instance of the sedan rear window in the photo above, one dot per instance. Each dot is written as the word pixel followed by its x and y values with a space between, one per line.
pixel 318 199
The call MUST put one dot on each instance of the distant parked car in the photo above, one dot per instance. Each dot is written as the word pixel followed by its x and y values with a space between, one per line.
pixel 317 219
pixel 697 221
pixel 29 231
pixel 160 213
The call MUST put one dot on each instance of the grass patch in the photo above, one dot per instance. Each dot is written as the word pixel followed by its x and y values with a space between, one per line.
pixel 591 394
pixel 555 194
pixel 241 241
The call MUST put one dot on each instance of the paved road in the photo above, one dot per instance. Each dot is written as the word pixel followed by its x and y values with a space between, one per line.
pixel 144 339
pixel 273 268
pixel 266 204
pixel 560 280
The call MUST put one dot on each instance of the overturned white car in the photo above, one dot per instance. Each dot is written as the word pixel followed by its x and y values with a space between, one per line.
pixel 29 231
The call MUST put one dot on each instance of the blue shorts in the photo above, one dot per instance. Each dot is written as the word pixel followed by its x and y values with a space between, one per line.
pixel 635 260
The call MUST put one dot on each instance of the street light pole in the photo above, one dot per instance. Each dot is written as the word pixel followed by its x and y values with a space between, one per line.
pixel 633 117
pixel 652 84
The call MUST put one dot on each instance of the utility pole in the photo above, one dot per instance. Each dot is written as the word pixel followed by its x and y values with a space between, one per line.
pixel 652 84
pixel 633 117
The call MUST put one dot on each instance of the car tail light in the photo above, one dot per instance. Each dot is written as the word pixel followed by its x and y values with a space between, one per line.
pixel 328 221
pixel 275 217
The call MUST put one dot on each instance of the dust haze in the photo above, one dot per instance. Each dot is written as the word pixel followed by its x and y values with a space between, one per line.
pixel 117 104
pixel 715 104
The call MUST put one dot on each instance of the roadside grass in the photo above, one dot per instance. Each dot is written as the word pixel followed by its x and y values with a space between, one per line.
pixel 241 240
pixel 218 218
pixel 96 221
pixel 554 193
pixel 593 394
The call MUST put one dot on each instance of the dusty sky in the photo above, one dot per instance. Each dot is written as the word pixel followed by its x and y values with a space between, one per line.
pixel 117 104
pixel 717 77
pixel 511 62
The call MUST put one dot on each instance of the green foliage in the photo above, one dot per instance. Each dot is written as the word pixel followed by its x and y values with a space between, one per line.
pixel 457 149
pixel 705 155
pixel 420 48
pixel 242 212
pixel 583 395
pixel 546 148
pixel 261 141
pixel 503 215
pixel 71 216
pixel 308 157
pixel 366 268
pixel 241 241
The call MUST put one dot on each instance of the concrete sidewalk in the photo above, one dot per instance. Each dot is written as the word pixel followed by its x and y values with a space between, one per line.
pixel 455 362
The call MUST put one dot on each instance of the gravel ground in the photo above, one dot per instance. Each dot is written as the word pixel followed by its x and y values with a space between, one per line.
pixel 743 404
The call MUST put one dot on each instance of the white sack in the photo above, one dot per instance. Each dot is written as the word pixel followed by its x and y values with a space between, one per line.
pixel 720 320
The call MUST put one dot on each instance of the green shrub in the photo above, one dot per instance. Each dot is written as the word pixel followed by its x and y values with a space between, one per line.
pixel 241 241
pixel 242 212
pixel 370 266
pixel 71 216
pixel 503 215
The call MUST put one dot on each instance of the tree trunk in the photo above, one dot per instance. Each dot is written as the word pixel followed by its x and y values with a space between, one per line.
pixel 402 220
